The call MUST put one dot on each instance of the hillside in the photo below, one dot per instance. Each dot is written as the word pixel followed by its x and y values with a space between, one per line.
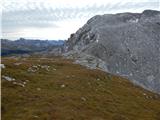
pixel 125 44
pixel 54 88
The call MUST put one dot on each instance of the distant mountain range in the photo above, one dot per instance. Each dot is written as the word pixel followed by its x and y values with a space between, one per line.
pixel 23 46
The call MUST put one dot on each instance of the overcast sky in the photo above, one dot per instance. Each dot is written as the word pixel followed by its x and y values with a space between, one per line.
pixel 57 19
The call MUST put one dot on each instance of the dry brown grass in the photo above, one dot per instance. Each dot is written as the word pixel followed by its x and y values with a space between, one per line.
pixel 72 92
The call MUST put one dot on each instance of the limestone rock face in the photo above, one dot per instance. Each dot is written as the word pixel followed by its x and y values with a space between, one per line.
pixel 126 44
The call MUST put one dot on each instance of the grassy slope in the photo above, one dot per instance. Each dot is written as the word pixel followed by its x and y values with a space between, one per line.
pixel 87 95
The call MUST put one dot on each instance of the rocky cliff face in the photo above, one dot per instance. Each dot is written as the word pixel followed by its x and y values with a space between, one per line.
pixel 126 44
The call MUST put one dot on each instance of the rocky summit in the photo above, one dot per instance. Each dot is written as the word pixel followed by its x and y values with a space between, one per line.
pixel 125 44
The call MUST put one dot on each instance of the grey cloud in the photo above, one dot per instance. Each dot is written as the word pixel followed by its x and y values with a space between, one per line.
pixel 51 14
pixel 41 16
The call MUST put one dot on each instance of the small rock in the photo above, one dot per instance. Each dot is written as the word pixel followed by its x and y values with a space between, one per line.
pixel 38 89
pixel 31 70
pixel 72 75
pixel 35 116
pixel 62 86
pixel 8 78
pixel 17 64
pixel 2 66
pixel 117 72
pixel 34 66
pixel 20 84
pixel 67 76
pixel 39 65
pixel 82 98
pixel 98 79
pixel 45 67
pixel 97 41
pixel 54 69
pixel 14 82
pixel 144 94
pixel 131 74
pixel 24 83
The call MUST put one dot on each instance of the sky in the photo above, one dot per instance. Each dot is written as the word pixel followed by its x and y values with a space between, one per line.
pixel 57 19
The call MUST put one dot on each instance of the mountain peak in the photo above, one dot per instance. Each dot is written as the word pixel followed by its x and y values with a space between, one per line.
pixel 151 12
pixel 125 44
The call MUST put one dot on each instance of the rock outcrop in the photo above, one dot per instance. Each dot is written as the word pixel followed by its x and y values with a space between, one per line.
pixel 125 44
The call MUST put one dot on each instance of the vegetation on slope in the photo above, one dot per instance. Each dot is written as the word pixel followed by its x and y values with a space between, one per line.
pixel 56 89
